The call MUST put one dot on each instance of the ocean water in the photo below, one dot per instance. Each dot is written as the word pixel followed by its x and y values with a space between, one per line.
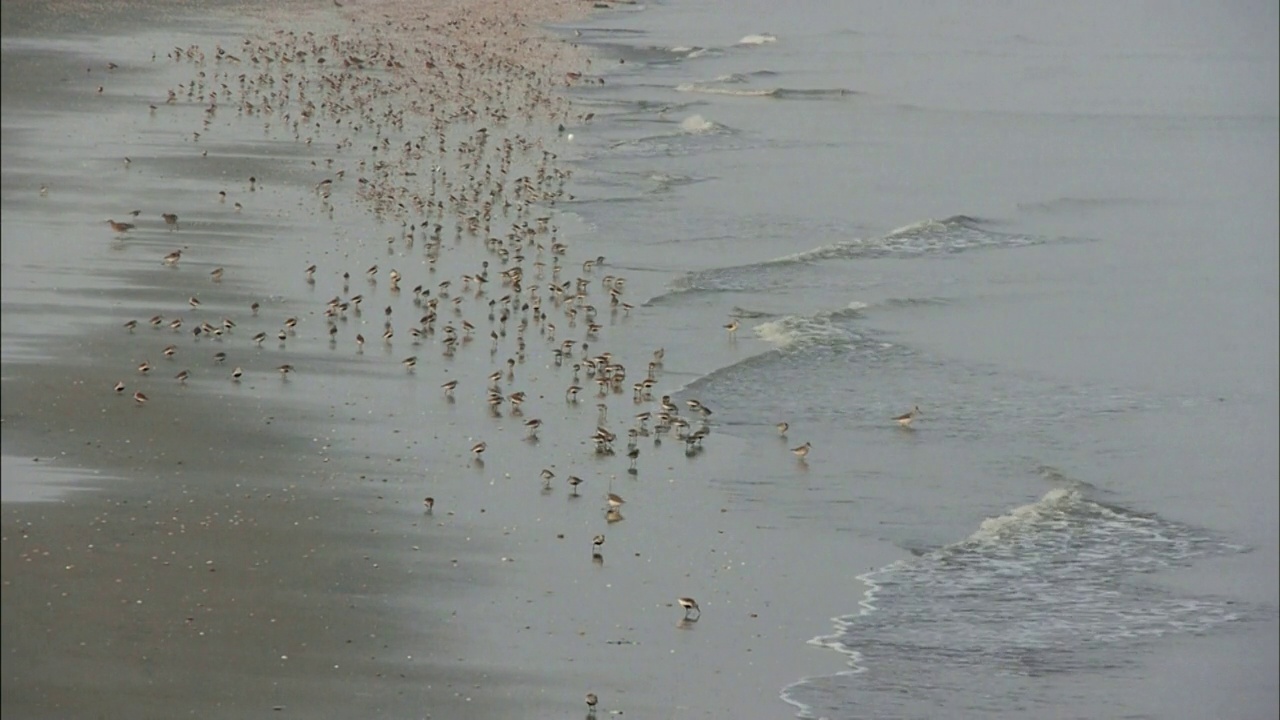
pixel 1053 227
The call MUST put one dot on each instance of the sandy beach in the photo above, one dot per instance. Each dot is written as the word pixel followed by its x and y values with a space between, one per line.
pixel 254 543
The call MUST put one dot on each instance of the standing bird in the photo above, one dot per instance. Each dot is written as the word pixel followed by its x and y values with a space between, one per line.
pixel 783 428
pixel 596 542
pixel 905 419
pixel 429 503
pixel 690 606
pixel 732 327
pixel 478 449
pixel 802 452
pixel 591 703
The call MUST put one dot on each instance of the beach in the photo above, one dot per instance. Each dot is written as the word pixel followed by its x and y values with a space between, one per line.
pixel 258 546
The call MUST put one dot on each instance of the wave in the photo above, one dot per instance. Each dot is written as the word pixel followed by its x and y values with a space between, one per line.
pixel 676 141
pixel 955 234
pixel 1044 588
pixel 713 88
pixel 697 124
pixel 824 328
pixel 758 39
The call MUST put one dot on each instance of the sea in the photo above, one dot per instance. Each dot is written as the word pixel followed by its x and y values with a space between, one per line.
pixel 1049 229
pixel 1052 227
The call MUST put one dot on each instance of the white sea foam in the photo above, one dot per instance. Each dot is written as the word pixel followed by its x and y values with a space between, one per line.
pixel 792 331
pixel 758 39
pixel 1042 588
pixel 697 124
pixel 716 90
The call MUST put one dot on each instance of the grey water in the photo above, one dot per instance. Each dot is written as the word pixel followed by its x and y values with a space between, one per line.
pixel 1051 226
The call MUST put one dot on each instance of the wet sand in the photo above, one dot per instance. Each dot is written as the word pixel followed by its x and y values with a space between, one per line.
pixel 238 548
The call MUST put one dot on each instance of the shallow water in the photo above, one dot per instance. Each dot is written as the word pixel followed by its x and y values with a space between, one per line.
pixel 1054 229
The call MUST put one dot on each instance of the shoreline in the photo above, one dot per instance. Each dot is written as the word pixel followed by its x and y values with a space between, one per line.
pixel 283 538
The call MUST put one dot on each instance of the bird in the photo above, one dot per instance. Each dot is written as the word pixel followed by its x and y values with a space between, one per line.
pixel 171 220
pixel 591 703
pixel 802 451
pixel 449 386
pixel 139 398
pixel 783 428
pixel 119 387
pixel 120 227
pixel 478 449
pixel 532 426
pixel 732 327
pixel 905 419
pixel 690 606
pixel 614 500
pixel 574 482
pixel 596 542
pixel 429 503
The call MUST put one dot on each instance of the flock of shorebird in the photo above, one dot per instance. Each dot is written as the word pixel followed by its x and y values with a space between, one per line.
pixel 456 134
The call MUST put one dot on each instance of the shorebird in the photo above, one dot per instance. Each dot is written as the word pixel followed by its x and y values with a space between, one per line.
pixel 216 274
pixel 171 220
pixel 783 428
pixel 905 419
pixel 120 389
pixel 237 374
pixel 172 258
pixel 139 398
pixel 591 703
pixel 120 227
pixel 478 449
pixel 596 542
pixel 182 376
pixel 409 362
pixel 732 327
pixel 614 500
pixel 144 367
pixel 448 387
pixel 429 503
pixel 802 452
pixel 532 426
pixel 285 370
pixel 690 606
pixel 633 454
pixel 574 482
pixel 131 325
